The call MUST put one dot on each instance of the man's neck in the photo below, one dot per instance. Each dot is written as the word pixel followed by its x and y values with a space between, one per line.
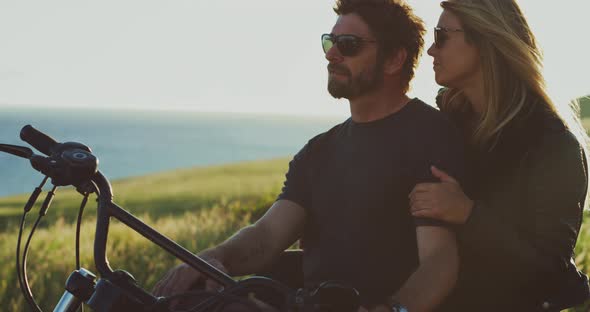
pixel 377 105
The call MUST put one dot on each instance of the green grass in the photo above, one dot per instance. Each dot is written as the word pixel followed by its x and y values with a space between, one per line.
pixel 169 193
pixel 197 208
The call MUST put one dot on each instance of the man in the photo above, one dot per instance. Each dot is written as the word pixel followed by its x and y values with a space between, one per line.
pixel 347 190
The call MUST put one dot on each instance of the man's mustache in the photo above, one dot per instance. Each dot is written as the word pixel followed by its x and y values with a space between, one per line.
pixel 338 68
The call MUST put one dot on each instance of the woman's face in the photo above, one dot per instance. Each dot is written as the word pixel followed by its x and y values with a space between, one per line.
pixel 456 62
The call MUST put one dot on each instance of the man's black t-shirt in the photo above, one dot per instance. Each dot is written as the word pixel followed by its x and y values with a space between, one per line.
pixel 354 181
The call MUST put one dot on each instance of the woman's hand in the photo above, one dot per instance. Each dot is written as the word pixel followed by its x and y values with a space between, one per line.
pixel 443 201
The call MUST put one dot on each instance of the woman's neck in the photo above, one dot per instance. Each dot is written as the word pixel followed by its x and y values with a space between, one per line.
pixel 476 96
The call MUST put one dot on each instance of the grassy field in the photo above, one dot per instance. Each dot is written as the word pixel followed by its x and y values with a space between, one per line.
pixel 196 207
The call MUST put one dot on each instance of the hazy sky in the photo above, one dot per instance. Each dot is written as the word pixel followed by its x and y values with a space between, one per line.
pixel 222 55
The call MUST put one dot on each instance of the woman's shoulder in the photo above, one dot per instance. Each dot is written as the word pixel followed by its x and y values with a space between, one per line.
pixel 538 135
pixel 559 149
pixel 559 137
pixel 552 133
pixel 536 127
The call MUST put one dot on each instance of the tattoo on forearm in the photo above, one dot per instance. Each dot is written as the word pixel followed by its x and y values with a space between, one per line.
pixel 256 251
pixel 249 250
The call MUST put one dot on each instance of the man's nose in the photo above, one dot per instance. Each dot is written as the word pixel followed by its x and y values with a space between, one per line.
pixel 333 55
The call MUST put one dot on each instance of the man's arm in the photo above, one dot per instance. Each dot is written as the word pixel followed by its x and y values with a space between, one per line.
pixel 256 246
pixel 436 274
pixel 246 252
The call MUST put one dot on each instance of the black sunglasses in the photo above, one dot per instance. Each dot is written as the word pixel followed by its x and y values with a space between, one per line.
pixel 348 45
pixel 441 35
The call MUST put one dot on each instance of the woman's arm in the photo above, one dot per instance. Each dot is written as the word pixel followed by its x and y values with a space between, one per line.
pixel 554 191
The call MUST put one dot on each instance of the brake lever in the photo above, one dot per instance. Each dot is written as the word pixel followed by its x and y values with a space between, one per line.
pixel 70 164
pixel 20 151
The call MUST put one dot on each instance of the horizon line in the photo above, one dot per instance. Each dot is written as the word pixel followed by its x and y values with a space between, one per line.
pixel 135 108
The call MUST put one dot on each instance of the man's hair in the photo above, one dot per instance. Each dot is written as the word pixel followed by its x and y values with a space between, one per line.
pixel 394 25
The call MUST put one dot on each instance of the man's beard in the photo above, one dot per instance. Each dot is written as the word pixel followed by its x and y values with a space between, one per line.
pixel 366 81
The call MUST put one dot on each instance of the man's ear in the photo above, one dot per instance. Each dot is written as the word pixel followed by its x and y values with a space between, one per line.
pixel 395 62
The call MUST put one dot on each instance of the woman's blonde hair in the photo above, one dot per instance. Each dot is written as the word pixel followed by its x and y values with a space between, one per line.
pixel 511 64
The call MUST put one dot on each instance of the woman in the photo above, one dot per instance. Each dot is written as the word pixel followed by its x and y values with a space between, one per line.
pixel 518 219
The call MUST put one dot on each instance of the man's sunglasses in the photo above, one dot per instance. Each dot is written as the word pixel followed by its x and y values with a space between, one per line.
pixel 348 45
pixel 441 35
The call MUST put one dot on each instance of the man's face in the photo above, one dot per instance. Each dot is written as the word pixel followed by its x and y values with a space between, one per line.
pixel 357 74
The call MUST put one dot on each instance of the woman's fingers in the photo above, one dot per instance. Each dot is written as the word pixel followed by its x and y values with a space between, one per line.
pixel 423 188
pixel 426 191
pixel 420 204
pixel 425 213
pixel 425 209
pixel 442 176
pixel 423 205
pixel 443 201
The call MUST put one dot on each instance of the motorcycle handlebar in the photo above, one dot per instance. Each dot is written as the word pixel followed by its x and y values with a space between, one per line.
pixel 39 140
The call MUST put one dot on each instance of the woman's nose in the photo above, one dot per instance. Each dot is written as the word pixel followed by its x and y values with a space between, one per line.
pixel 432 50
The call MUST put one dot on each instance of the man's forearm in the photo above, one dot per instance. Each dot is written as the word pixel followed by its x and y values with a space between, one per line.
pixel 431 282
pixel 246 252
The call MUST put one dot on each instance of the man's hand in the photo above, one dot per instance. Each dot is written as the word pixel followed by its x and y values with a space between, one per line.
pixel 180 279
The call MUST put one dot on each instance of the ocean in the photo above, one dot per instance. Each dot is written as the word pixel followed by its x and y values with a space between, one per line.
pixel 132 143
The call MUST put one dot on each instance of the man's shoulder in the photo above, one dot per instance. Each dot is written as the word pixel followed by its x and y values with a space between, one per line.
pixel 429 118
pixel 329 134
pixel 317 143
pixel 428 111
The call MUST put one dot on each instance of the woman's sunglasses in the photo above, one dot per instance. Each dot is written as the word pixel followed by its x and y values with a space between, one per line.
pixel 348 45
pixel 441 35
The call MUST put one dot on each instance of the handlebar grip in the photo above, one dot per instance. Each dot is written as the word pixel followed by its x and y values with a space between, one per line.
pixel 39 140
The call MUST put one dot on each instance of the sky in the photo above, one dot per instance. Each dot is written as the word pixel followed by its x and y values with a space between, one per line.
pixel 258 56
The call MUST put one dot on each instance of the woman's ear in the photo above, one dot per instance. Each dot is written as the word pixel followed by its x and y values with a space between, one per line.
pixel 395 62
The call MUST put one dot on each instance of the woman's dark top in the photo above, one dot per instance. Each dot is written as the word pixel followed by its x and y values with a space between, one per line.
pixel 516 247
